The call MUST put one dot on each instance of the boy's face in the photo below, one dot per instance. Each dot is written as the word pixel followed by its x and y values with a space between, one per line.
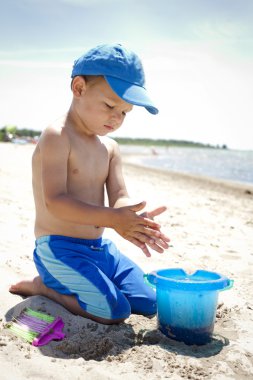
pixel 101 111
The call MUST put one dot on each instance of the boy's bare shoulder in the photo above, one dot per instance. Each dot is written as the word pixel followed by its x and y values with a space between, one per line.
pixel 111 145
pixel 54 138
pixel 56 130
pixel 108 141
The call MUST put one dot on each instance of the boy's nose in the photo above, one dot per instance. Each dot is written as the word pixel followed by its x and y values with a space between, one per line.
pixel 117 116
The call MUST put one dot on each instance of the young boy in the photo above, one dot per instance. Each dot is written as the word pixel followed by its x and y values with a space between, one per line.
pixel 72 164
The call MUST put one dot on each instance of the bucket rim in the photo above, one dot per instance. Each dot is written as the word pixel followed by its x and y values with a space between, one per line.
pixel 178 278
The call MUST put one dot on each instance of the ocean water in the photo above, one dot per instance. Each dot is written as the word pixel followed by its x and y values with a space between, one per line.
pixel 226 164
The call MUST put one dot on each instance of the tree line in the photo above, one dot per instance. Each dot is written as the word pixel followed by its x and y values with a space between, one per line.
pixel 10 132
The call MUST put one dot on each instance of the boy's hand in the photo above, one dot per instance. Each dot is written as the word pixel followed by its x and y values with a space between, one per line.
pixel 141 230
pixel 162 243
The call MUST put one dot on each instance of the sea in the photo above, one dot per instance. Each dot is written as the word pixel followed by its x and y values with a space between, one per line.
pixel 225 164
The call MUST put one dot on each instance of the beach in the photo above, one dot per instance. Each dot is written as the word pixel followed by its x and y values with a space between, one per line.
pixel 210 224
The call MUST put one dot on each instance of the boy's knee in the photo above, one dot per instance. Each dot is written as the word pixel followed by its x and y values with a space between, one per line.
pixel 117 313
pixel 121 310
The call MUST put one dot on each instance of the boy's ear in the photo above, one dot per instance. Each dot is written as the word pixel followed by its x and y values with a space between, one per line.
pixel 78 86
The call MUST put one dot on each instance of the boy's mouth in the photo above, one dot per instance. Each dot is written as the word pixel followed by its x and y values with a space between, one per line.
pixel 109 127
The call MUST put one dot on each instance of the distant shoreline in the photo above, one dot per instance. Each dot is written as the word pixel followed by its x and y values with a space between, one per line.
pixel 225 165
pixel 145 142
pixel 181 176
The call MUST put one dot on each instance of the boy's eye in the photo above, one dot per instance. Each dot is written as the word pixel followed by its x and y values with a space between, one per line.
pixel 108 105
pixel 112 107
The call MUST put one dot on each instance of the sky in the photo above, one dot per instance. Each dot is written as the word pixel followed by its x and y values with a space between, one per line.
pixel 197 56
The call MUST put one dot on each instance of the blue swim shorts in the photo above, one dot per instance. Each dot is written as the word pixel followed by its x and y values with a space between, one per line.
pixel 106 283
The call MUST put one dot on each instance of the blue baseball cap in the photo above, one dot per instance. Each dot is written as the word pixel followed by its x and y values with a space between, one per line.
pixel 121 68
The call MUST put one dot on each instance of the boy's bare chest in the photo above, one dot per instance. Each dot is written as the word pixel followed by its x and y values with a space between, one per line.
pixel 88 163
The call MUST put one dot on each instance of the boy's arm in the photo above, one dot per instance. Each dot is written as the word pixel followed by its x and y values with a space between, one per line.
pixel 119 198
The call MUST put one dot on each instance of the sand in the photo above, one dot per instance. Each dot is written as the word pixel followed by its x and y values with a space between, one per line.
pixel 210 224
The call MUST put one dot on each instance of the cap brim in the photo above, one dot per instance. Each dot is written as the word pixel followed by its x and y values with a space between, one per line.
pixel 131 93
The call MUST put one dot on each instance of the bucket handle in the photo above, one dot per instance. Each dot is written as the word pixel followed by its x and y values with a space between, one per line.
pixel 229 286
pixel 145 277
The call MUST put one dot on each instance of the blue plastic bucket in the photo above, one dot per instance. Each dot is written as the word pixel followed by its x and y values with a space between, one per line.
pixel 187 303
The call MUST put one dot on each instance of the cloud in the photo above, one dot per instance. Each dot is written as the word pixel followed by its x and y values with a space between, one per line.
pixel 222 30
pixel 41 51
pixel 85 3
pixel 35 64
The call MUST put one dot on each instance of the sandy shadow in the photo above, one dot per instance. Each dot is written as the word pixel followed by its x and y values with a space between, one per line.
pixel 214 347
pixel 94 341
